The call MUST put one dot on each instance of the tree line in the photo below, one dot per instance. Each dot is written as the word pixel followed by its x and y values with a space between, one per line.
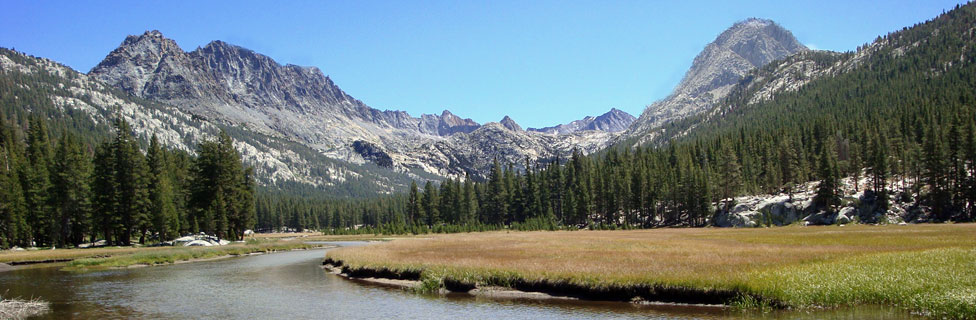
pixel 59 191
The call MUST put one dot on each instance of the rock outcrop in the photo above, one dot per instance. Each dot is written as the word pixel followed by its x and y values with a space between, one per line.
pixel 857 207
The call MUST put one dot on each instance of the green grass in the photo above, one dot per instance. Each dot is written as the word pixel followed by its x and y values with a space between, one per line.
pixel 939 282
pixel 176 254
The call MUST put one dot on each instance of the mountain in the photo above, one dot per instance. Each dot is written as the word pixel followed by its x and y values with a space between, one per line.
pixel 614 120
pixel 37 86
pixel 234 86
pixel 721 65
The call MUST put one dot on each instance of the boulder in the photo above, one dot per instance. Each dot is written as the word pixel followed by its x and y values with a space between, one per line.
pixel 199 243
pixel 820 218
pixel 844 215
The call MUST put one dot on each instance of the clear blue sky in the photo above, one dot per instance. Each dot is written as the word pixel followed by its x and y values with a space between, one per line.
pixel 542 62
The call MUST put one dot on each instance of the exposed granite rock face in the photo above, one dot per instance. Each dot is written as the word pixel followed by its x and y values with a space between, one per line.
pixel 228 84
pixel 614 120
pixel 717 69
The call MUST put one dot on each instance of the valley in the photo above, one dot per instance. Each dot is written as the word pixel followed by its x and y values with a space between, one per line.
pixel 776 180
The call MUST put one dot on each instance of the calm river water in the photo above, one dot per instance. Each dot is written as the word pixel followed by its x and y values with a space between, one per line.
pixel 291 285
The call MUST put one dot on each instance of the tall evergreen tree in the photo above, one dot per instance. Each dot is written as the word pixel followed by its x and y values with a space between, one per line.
pixel 162 211
pixel 37 184
pixel 497 196
pixel 827 191
pixel 131 176
pixel 430 204
pixel 71 192
pixel 415 208
pixel 936 173
pixel 731 179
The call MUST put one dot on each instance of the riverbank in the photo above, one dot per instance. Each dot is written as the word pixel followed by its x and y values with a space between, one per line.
pixel 928 269
pixel 116 257
pixel 22 309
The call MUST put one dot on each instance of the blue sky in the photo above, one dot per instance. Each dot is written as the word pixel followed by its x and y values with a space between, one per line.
pixel 541 62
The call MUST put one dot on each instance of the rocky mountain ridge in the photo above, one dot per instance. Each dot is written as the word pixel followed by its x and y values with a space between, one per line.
pixel 614 120
pixel 716 70
pixel 93 106
pixel 236 86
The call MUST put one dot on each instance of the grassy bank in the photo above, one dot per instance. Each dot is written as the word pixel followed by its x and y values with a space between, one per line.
pixel 178 254
pixel 79 259
pixel 926 268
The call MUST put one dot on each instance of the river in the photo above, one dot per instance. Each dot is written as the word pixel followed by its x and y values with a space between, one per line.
pixel 291 285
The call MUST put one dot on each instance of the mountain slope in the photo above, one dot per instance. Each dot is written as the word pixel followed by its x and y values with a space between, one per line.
pixel 736 51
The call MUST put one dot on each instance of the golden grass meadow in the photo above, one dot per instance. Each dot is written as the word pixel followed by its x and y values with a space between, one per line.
pixel 929 269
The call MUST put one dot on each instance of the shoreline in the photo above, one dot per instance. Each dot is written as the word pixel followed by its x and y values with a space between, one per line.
pixel 541 290
pixel 228 256
pixel 138 258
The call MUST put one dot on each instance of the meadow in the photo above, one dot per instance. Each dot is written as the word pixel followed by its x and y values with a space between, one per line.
pixel 929 269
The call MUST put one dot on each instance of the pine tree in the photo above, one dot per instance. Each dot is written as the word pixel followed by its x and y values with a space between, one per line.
pixel 246 199
pixel 731 175
pixel 789 173
pixel 162 210
pixel 13 208
pixel 470 204
pixel 37 184
pixel 415 205
pixel 430 202
pixel 497 197
pixel 878 169
pixel 131 176
pixel 827 191
pixel 218 170
pixel 71 191
pixel 446 202
pixel 106 193
pixel 936 173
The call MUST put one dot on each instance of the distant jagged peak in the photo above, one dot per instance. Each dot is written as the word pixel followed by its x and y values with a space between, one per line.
pixel 510 124
pixel 615 120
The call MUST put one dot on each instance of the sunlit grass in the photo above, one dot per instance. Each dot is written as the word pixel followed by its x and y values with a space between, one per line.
pixel 937 282
pixel 796 266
